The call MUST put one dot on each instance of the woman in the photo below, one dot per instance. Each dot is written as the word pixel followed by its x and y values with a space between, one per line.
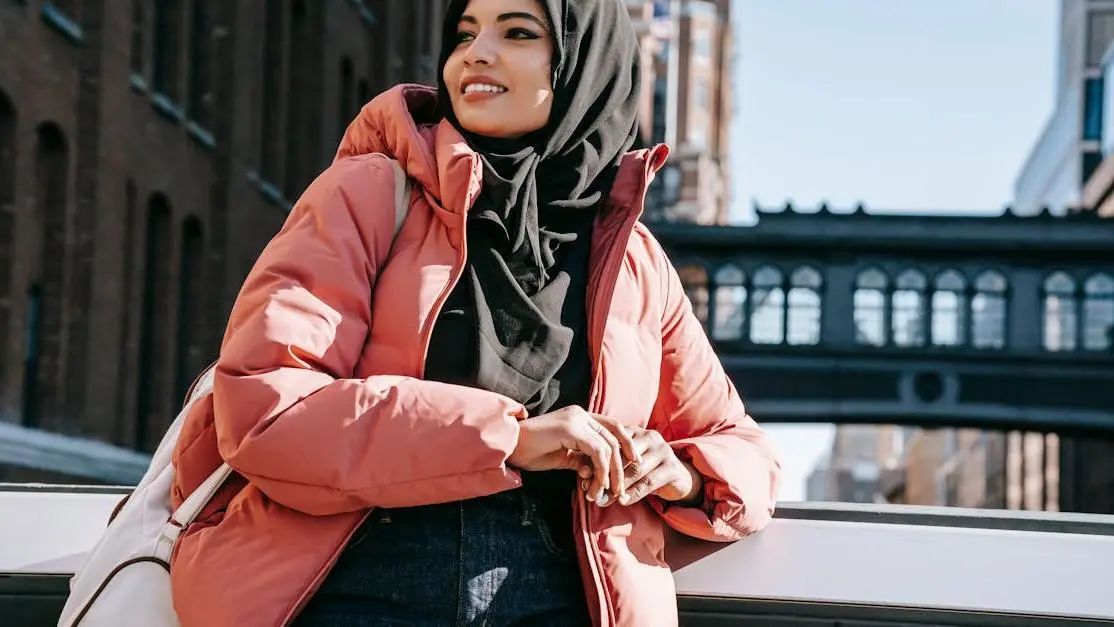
pixel 490 428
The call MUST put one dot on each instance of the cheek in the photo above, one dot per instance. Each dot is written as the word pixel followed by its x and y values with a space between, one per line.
pixel 541 86
pixel 451 73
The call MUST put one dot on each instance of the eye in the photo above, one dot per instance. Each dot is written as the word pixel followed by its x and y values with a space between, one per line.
pixel 463 36
pixel 522 33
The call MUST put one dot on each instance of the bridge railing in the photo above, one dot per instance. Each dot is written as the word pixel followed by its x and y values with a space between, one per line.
pixel 816 564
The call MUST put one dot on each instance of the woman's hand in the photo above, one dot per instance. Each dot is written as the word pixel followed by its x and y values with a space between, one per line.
pixel 595 446
pixel 659 472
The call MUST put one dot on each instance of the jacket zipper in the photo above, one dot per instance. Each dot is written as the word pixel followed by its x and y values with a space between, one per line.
pixel 427 334
pixel 608 278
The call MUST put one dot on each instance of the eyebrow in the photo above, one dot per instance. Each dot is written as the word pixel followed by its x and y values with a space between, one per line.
pixel 513 15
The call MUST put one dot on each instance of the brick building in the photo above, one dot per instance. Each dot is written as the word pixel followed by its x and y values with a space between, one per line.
pixel 148 150
pixel 688 55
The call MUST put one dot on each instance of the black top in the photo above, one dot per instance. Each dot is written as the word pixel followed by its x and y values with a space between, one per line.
pixel 453 355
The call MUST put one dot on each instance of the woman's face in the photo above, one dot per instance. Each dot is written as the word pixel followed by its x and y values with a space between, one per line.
pixel 499 75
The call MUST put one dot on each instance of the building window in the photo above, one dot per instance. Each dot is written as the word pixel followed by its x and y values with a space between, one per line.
pixel 804 311
pixel 694 278
pixel 871 286
pixel 270 105
pixel 30 411
pixel 988 311
pixel 298 94
pixel 344 101
pixel 767 313
pixel 1098 313
pixel 1092 109
pixel 151 389
pixel 168 44
pixel 201 63
pixel 44 349
pixel 7 218
pixel 1059 312
pixel 139 28
pixel 125 367
pixel 731 303
pixel 909 309
pixel 191 296
pixel 949 309
pixel 363 92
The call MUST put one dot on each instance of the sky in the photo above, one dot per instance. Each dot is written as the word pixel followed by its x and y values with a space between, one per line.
pixel 901 105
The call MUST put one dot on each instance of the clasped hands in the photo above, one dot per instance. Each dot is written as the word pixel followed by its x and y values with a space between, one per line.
pixel 615 463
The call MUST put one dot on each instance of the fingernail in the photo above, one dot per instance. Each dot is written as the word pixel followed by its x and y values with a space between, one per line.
pixel 602 501
pixel 624 500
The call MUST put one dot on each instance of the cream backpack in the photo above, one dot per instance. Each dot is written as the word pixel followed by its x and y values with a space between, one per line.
pixel 125 578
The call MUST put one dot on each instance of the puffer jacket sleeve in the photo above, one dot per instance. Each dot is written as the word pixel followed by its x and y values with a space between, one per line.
pixel 290 418
pixel 700 414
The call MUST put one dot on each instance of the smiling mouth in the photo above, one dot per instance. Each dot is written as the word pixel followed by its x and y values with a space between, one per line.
pixel 484 88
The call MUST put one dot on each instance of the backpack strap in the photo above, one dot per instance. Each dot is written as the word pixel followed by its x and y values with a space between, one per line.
pixel 188 511
pixel 402 195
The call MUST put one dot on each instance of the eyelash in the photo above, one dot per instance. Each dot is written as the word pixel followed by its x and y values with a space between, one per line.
pixel 520 34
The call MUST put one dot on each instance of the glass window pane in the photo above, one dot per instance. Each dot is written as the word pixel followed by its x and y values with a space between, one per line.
pixel 804 316
pixel 1059 322
pixel 950 280
pixel 730 312
pixel 870 317
pixel 730 275
pixel 908 318
pixel 912 280
pixel 872 278
pixel 1098 313
pixel 948 318
pixel 988 321
pixel 1059 283
pixel 767 319
pixel 806 277
pixel 990 281
pixel 767 277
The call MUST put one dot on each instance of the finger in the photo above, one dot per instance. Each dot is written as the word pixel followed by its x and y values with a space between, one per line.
pixel 649 454
pixel 627 445
pixel 614 465
pixel 591 442
pixel 651 461
pixel 578 462
pixel 653 481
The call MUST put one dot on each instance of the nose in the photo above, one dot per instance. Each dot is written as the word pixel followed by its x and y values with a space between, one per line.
pixel 482 49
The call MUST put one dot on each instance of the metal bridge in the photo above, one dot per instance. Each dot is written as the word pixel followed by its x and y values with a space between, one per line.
pixel 995 322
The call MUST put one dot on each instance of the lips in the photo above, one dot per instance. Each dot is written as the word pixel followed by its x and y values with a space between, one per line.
pixel 481 85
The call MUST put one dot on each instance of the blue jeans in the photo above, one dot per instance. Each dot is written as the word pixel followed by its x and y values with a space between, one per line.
pixel 494 561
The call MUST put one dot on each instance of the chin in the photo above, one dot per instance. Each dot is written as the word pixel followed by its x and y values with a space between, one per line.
pixel 487 128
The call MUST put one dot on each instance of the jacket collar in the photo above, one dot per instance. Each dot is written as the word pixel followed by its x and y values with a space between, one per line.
pixel 403 123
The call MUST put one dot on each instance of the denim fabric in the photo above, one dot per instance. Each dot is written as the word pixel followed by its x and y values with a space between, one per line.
pixel 493 561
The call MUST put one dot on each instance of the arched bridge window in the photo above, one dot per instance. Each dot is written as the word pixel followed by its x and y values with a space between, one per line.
pixel 694 278
pixel 730 303
pixel 803 318
pixel 1060 312
pixel 949 309
pixel 1098 312
pixel 909 308
pixel 988 311
pixel 870 307
pixel 767 313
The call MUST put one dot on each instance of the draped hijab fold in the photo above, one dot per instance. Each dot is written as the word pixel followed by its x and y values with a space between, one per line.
pixel 528 231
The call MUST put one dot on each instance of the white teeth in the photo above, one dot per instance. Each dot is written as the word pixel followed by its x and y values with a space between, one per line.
pixel 495 89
